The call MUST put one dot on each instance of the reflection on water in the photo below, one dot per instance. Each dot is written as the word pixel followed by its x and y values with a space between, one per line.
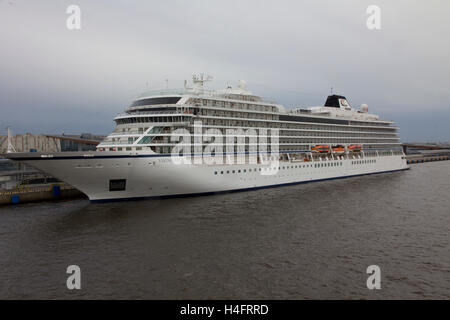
pixel 306 241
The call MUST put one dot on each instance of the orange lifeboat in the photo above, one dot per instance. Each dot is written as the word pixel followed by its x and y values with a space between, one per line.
pixel 338 149
pixel 321 148
pixel 354 147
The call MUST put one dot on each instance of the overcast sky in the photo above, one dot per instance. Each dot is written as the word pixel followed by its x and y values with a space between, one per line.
pixel 53 79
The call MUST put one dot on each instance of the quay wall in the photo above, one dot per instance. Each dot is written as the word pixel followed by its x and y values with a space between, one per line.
pixel 412 159
pixel 39 193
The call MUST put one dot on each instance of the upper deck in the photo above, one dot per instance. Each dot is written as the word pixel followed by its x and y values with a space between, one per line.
pixel 190 100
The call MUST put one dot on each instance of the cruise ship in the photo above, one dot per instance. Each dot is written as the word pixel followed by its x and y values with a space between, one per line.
pixel 197 141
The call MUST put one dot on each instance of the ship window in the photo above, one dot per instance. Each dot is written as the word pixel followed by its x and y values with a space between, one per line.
pixel 154 101
pixel 117 184
pixel 215 172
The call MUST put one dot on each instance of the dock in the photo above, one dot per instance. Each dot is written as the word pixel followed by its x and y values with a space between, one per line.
pixel 411 159
pixel 24 194
pixel 423 153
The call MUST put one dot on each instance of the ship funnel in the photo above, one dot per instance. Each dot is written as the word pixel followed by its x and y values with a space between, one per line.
pixel 335 101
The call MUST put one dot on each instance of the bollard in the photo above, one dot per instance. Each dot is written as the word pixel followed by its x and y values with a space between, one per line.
pixel 15 199
pixel 56 190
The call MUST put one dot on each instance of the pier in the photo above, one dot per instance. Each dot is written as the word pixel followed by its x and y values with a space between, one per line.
pixel 420 153
pixel 21 184
pixel 413 158
pixel 39 193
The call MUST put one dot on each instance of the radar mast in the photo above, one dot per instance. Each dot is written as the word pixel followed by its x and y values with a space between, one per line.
pixel 200 79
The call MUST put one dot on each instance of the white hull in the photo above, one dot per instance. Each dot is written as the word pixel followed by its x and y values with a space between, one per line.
pixel 149 175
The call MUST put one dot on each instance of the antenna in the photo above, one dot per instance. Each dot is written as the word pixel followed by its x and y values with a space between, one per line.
pixel 167 83
pixel 200 79
pixel 11 148
pixel 331 90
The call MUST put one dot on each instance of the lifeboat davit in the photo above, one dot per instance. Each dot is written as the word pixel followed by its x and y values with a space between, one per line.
pixel 354 147
pixel 321 149
pixel 338 149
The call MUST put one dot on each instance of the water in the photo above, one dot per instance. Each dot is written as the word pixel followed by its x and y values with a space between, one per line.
pixel 306 241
